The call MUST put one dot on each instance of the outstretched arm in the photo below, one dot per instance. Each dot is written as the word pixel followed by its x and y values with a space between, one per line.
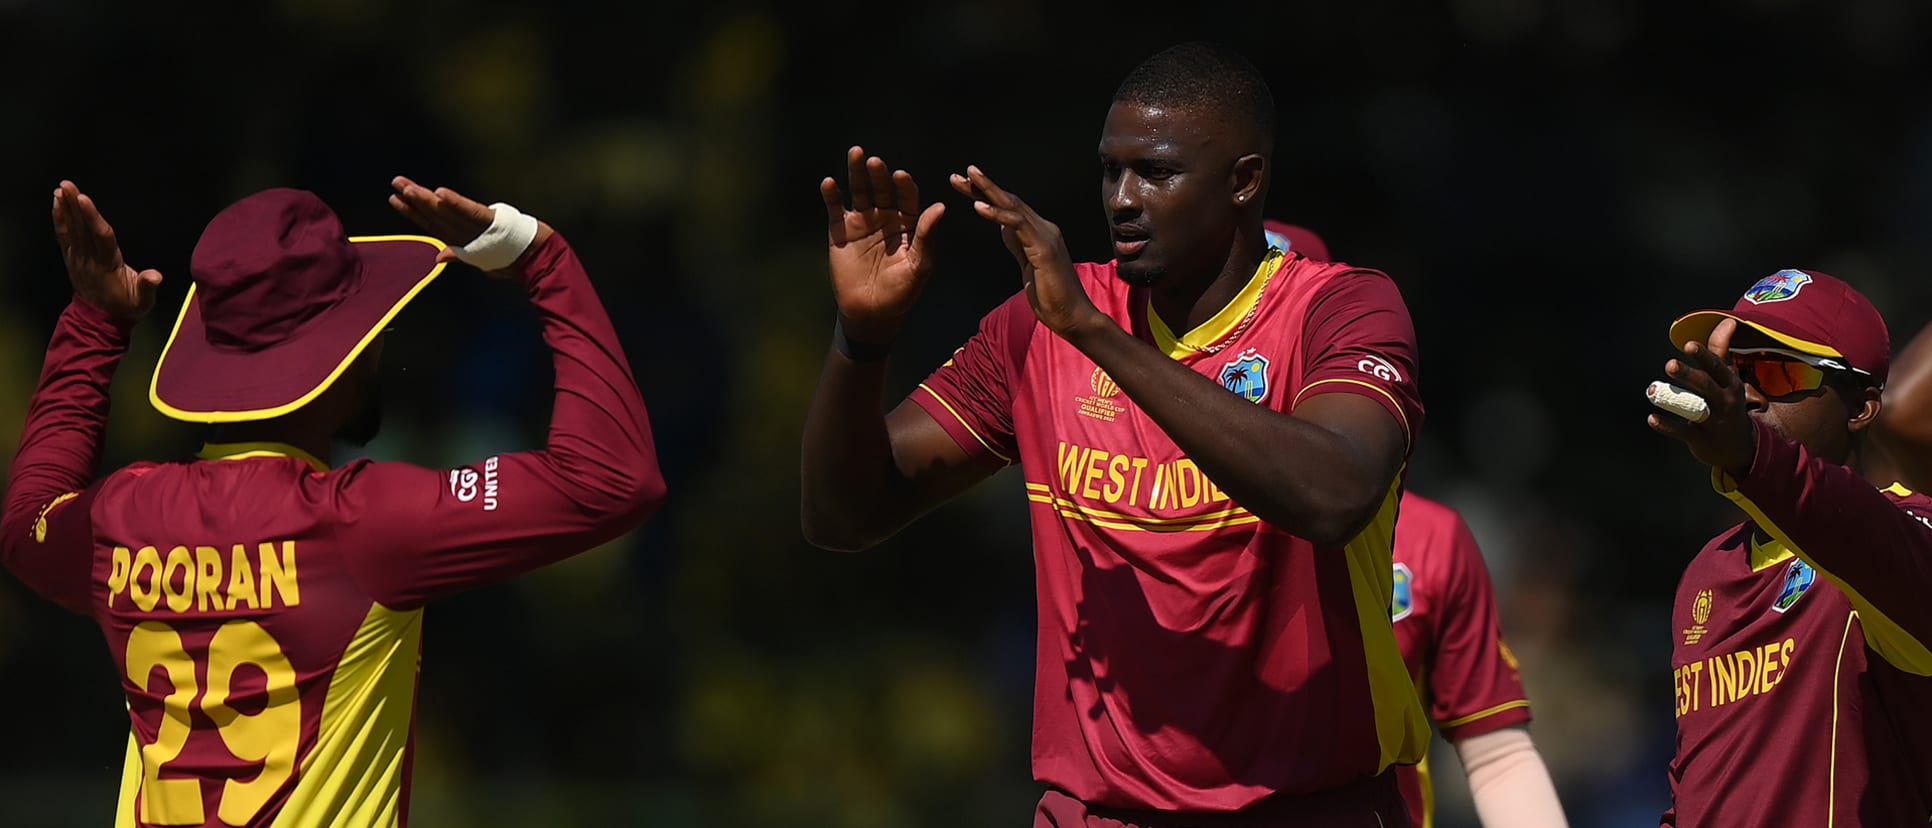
pixel 422 533
pixel 865 475
pixel 1334 459
pixel 46 539
pixel 1509 782
pixel 1879 552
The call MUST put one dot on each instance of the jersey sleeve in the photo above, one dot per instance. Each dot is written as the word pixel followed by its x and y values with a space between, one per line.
pixel 1474 685
pixel 414 533
pixel 1879 552
pixel 971 395
pixel 1360 340
pixel 46 535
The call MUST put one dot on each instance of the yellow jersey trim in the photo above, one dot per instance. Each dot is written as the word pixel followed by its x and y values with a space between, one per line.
pixel 243 451
pixel 40 522
pixel 1898 488
pixel 1399 416
pixel 154 395
pixel 1484 714
pixel 1882 634
pixel 1428 793
pixel 1831 789
pixel 962 421
pixel 1767 555
pixel 1232 516
pixel 1224 321
pixel 352 777
pixel 1401 725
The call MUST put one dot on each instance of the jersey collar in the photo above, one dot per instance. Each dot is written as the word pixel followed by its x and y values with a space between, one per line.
pixel 243 451
pixel 1222 323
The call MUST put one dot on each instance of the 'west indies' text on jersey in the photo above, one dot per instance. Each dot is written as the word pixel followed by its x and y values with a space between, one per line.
pixel 1191 657
pixel 1799 652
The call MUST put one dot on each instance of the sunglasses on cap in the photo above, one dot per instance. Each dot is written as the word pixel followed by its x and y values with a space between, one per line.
pixel 1776 372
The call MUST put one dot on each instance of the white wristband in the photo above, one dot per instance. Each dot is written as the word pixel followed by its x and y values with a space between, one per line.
pixel 500 246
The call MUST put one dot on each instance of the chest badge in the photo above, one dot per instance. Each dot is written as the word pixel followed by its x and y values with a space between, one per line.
pixel 1700 613
pixel 1403 602
pixel 1247 375
pixel 1104 404
pixel 1798 578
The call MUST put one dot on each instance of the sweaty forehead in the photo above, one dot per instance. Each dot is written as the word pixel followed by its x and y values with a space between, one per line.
pixel 1144 129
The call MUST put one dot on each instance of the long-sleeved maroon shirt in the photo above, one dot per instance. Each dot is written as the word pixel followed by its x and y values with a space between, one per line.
pixel 1800 653
pixel 265 611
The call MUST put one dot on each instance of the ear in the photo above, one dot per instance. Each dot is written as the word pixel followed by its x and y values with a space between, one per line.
pixel 1864 408
pixel 1249 180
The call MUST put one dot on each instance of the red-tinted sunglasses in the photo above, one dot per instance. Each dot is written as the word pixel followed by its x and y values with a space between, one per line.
pixel 1777 372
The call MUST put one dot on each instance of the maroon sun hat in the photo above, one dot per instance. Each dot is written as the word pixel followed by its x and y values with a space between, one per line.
pixel 1295 238
pixel 1809 312
pixel 282 303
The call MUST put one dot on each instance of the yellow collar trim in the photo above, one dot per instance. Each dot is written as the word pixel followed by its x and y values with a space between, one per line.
pixel 1768 554
pixel 1898 488
pixel 243 451
pixel 1223 323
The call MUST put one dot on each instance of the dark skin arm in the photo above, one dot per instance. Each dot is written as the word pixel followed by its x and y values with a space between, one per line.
pixel 1333 460
pixel 1904 430
pixel 865 476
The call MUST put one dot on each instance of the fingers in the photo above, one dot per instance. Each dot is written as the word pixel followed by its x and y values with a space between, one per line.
pixel 834 201
pixel 1693 378
pixel 990 192
pixel 1672 426
pixel 880 180
pixel 465 206
pixel 1720 340
pixel 857 179
pixel 927 220
pixel 905 194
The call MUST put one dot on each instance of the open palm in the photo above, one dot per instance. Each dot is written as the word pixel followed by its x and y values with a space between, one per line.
pixel 93 256
pixel 879 252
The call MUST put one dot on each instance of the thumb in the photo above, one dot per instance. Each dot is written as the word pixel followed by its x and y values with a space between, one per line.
pixel 150 279
pixel 446 255
pixel 927 220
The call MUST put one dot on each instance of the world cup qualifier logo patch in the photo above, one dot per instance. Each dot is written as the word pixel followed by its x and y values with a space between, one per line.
pixel 1777 287
pixel 1247 375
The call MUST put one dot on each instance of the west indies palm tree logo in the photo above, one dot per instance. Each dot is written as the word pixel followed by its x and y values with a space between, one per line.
pixel 1777 287
pixel 1247 375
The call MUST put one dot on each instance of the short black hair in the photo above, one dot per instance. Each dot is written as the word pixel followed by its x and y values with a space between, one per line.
pixel 1211 78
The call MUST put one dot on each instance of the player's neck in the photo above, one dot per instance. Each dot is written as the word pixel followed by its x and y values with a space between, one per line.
pixel 1187 302
pixel 321 448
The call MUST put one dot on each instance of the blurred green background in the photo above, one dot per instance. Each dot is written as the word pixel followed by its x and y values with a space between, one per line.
pixel 1550 183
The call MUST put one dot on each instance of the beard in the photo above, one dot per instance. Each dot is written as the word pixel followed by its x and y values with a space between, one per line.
pixel 361 429
pixel 1140 275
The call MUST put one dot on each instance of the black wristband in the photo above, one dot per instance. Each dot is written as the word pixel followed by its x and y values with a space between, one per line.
pixel 855 350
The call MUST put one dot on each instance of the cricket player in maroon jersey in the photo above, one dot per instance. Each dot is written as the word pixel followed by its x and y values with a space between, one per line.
pixel 1799 636
pixel 265 609
pixel 1212 433
pixel 1444 608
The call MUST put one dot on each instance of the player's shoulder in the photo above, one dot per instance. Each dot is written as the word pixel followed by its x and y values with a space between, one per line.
pixel 1330 279
pixel 1915 503
pixel 1427 532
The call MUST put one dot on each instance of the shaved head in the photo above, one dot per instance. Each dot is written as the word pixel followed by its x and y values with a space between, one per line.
pixel 1206 79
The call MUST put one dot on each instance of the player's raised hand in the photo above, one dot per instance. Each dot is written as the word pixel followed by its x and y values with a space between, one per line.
pixel 879 245
pixel 1726 439
pixel 449 215
pixel 1046 269
pixel 100 275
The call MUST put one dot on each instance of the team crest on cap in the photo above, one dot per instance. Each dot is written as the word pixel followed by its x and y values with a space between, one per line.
pixel 1798 578
pixel 1777 287
pixel 1247 375
pixel 1403 601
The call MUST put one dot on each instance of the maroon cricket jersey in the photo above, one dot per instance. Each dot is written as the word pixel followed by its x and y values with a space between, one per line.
pixel 265 612
pixel 1190 656
pixel 1445 622
pixel 1799 653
